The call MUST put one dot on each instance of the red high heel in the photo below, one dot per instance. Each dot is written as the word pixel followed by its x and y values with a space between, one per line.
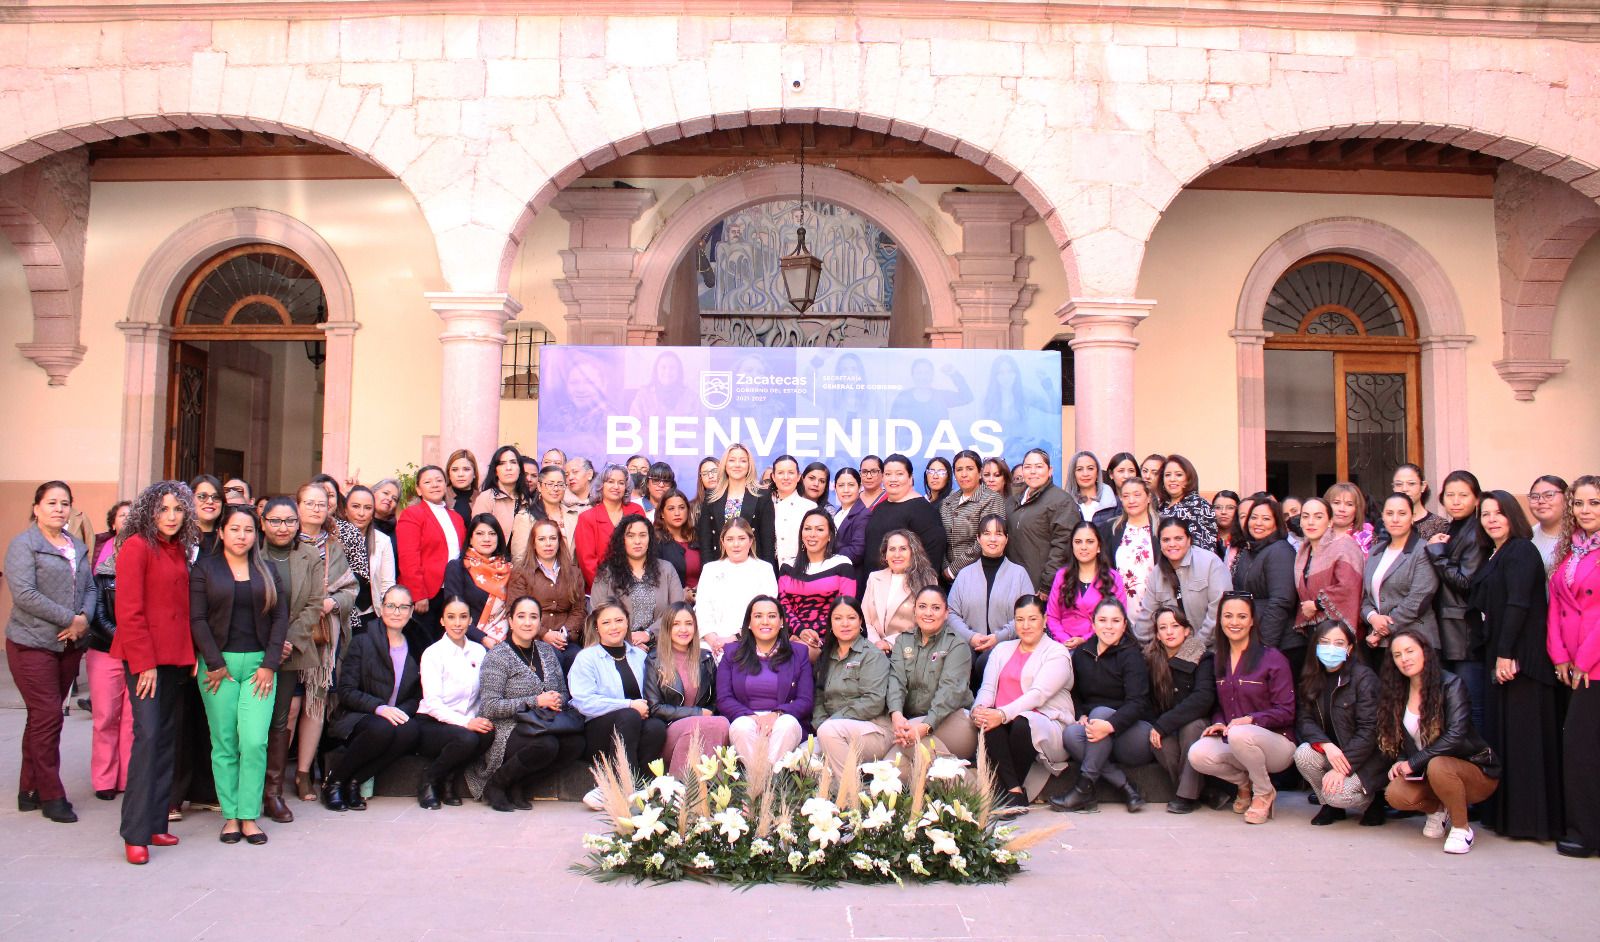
pixel 164 840
pixel 137 854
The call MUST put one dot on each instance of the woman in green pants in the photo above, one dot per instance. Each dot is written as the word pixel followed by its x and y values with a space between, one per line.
pixel 239 615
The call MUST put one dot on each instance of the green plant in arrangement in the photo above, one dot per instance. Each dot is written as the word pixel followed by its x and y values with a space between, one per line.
pixel 922 819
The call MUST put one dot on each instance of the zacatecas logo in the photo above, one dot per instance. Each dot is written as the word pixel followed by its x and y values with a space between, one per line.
pixel 716 389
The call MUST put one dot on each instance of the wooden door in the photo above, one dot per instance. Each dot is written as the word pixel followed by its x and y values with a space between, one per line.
pixel 1378 416
pixel 186 413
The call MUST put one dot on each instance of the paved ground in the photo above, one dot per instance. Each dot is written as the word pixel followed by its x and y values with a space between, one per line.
pixel 398 873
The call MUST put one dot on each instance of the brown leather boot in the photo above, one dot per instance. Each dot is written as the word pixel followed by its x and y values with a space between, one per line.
pixel 272 792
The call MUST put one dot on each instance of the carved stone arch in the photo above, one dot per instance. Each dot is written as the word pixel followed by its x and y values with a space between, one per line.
pixel 44 213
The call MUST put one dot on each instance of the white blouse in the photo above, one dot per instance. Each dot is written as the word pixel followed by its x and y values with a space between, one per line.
pixel 725 591
pixel 450 681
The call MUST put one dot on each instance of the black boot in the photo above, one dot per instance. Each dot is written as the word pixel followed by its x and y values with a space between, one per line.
pixel 27 801
pixel 1081 798
pixel 1134 800
pixel 451 794
pixel 333 796
pixel 352 796
pixel 59 810
pixel 1327 815
pixel 494 795
pixel 427 795
pixel 1375 816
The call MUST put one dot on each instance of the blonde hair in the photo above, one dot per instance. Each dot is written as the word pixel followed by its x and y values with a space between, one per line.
pixel 736 523
pixel 1354 493
pixel 666 651
pixel 1569 520
pixel 751 478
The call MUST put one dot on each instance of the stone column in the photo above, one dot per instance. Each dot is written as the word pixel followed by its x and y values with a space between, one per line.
pixel 471 342
pixel 1102 348
pixel 338 378
pixel 146 361
pixel 991 286
pixel 1251 363
pixel 1444 419
pixel 600 283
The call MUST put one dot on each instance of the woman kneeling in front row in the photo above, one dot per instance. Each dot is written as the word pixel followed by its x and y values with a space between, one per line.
pixel 379 687
pixel 764 685
pixel 1338 727
pixel 1425 723
pixel 1024 707
pixel 1249 737
pixel 520 675
pixel 608 689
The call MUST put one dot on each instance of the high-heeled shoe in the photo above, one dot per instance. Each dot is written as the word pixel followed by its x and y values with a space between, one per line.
pixel 1241 802
pixel 333 796
pixel 136 853
pixel 1260 811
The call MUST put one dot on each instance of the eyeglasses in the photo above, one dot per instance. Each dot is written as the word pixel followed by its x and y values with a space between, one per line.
pixel 660 480
pixel 1539 497
pixel 280 521
pixel 397 606
pixel 206 498
pixel 314 505
pixel 1235 594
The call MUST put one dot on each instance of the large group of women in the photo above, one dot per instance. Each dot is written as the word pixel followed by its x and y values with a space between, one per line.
pixel 507 624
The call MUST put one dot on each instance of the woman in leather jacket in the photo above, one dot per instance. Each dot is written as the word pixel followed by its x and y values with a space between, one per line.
pixel 1456 555
pixel 1337 724
pixel 680 685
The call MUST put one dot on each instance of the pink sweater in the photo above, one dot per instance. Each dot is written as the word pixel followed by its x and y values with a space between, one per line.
pixel 1077 621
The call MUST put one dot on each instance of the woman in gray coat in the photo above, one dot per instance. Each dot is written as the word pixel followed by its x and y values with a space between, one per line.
pixel 984 596
pixel 1186 578
pixel 52 593
pixel 1399 583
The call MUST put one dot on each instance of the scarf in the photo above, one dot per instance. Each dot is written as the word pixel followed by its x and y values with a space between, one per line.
pixel 490 573
pixel 1581 547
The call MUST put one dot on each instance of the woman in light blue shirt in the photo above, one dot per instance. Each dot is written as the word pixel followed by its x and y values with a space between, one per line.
pixel 607 687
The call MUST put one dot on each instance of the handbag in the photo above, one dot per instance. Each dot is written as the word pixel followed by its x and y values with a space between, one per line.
pixel 539 721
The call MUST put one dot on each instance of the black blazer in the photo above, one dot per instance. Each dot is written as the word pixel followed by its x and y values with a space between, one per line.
pixel 1346 714
pixel 1508 609
pixel 1266 571
pixel 366 678
pixel 211 611
pixel 457 582
pixel 1456 739
pixel 666 700
pixel 708 529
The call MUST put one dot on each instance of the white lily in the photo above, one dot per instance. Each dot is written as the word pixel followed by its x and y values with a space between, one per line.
pixel 646 824
pixel 878 817
pixel 943 841
pixel 731 824
pixel 947 769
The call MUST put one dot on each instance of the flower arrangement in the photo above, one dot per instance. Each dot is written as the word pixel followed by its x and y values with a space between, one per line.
pixel 793 822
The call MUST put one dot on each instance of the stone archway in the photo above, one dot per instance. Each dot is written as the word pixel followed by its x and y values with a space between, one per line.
pixel 1440 322
pixel 148 331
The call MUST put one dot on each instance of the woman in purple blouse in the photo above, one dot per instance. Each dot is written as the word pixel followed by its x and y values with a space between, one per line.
pixel 764 684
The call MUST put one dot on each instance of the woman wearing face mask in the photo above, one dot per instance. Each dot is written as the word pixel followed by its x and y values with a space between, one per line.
pixel 968 503
pixel 155 643
pixel 1183 692
pixel 1080 586
pixel 1547 501
pixel 1441 764
pixel 521 675
pixel 1040 521
pixel 1131 541
pixel 239 618
pixel 1250 736
pixel 598 524
pixel 1024 707
pixel 1456 555
pixel 428 537
pixel 1266 571
pixel 728 584
pixel 379 688
pixel 1091 494
pixel 850 518
pixel 298 566
pixel 1506 607
pixel 1408 480
pixel 1349 508
pixel 1180 499
pixel 930 670
pixel 808 586
pixel 482 578
pixel 1327 572
pixel 1122 466
pixel 360 505
pixel 736 495
pixel 1185 578
pixel 52 587
pixel 1574 645
pixel 632 571
pixel 462 475
pixel 889 599
pixel 979 611
pixel 852 691
pixel 1112 686
pixel 1398 584
pixel 1338 728
pixel 680 684
pixel 550 577
pixel 902 508
pixel 764 685
pixel 451 733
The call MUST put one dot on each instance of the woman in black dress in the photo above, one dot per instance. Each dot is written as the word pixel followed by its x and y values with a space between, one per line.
pixel 1506 604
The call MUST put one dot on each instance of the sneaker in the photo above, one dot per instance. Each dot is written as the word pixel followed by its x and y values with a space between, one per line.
pixel 1459 841
pixel 175 814
pixel 1438 822
pixel 594 800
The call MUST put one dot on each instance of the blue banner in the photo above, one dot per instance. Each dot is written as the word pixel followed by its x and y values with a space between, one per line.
pixel 682 404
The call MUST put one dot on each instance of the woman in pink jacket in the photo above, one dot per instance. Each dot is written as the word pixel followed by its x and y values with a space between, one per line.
pixel 1575 649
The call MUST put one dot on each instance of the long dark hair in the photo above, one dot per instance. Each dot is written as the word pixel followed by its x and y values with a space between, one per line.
pixel 1511 510
pixel 491 480
pixel 949 479
pixel 661 518
pixel 819 670
pixel 1278 529
pixel 1169 571
pixel 256 561
pixel 1252 651
pixel 1072 585
pixel 616 568
pixel 1394 690
pixel 802 561
pixel 1235 534
pixel 1313 676
pixel 1162 691
pixel 745 654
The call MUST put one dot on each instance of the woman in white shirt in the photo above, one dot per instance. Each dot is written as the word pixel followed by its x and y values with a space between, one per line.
pixel 452 733
pixel 889 598
pixel 728 584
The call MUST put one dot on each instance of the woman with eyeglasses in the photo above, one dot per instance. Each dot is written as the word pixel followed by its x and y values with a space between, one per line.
pixel 380 687
pixel 549 494
pixel 207 492
pixel 706 477
pixel 1409 480
pixel 299 568
pixel 871 481
pixel 1574 646
pixel 1225 507
pixel 1547 501
pixel 936 481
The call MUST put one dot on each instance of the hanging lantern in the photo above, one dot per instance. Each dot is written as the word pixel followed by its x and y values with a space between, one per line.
pixel 801 272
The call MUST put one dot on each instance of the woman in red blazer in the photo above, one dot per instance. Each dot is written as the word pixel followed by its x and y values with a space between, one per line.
pixel 592 533
pixel 425 546
pixel 154 642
